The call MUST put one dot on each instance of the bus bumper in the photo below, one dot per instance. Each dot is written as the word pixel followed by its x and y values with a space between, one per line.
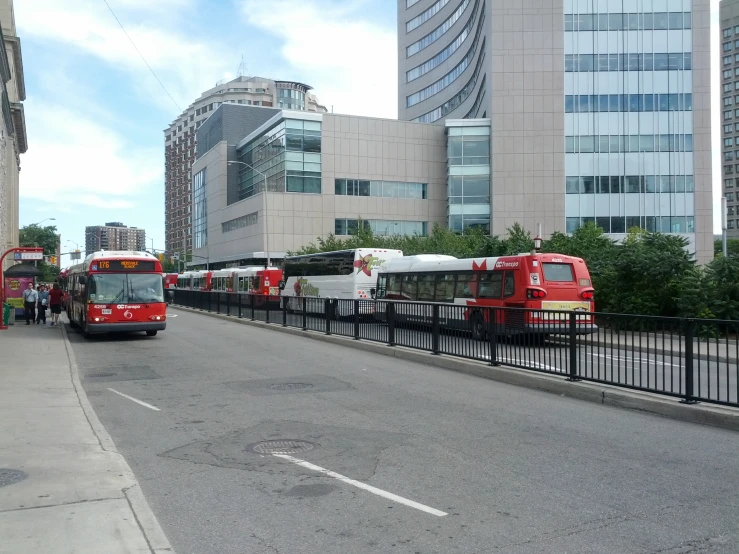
pixel 96 328
pixel 558 329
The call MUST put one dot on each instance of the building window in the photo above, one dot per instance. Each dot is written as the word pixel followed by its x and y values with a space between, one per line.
pixel 240 222
pixel 629 184
pixel 383 189
pixel 728 156
pixel 729 141
pixel 727 33
pixel 604 144
pixel 423 17
pixel 437 33
pixel 628 103
pixel 727 60
pixel 727 47
pixel 630 62
pixel 382 227
pixel 200 203
pixel 661 21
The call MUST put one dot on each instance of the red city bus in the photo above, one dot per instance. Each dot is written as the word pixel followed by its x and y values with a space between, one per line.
pixel 258 281
pixel 170 280
pixel 266 286
pixel 532 281
pixel 117 292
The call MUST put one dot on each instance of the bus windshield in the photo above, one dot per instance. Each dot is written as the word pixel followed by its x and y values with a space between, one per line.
pixel 125 288
pixel 558 272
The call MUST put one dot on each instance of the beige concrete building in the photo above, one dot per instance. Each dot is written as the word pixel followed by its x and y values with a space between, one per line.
pixel 180 140
pixel 114 236
pixel 729 52
pixel 13 140
pixel 323 174
pixel 600 110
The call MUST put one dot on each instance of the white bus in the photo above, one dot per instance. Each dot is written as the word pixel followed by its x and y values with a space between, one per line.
pixel 344 275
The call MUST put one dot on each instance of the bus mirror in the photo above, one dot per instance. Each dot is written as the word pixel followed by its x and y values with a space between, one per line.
pixel 82 280
pixel 282 285
pixel 373 292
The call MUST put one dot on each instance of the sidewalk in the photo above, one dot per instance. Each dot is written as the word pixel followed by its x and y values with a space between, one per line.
pixel 75 492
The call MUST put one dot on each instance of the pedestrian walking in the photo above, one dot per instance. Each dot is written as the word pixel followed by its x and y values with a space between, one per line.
pixel 43 303
pixel 30 297
pixel 55 302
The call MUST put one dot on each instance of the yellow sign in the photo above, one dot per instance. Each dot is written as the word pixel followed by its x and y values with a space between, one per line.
pixel 565 306
pixel 14 285
pixel 15 302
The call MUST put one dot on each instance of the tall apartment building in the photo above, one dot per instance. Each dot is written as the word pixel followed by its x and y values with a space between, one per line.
pixel 600 110
pixel 13 140
pixel 729 24
pixel 180 142
pixel 114 236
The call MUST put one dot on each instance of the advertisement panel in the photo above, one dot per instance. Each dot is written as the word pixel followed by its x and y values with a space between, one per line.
pixel 14 287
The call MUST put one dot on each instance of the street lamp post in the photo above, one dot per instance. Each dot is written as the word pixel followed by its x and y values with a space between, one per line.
pixel 266 208
pixel 40 222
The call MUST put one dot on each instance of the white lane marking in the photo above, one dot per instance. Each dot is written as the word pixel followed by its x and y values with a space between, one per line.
pixel 629 359
pixel 144 404
pixel 363 486
pixel 171 315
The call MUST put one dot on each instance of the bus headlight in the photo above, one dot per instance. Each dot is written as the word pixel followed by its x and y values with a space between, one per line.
pixel 98 319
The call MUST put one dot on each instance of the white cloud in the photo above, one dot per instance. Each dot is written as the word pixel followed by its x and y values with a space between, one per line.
pixel 185 65
pixel 351 62
pixel 74 161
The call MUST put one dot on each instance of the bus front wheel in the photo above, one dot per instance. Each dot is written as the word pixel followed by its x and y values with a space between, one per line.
pixel 151 333
pixel 477 326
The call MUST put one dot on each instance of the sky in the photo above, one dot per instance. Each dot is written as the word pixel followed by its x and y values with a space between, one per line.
pixel 95 114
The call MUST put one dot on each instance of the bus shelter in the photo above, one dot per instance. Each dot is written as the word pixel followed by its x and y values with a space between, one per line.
pixel 16 280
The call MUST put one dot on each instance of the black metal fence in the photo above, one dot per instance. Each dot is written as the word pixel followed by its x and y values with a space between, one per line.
pixel 690 359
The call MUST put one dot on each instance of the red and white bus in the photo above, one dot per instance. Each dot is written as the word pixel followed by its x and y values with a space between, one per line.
pixel 195 280
pixel 261 282
pixel 170 280
pixel 117 291
pixel 533 281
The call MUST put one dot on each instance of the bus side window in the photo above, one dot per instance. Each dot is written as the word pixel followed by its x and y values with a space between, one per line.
pixel 409 290
pixel 381 285
pixel 466 283
pixel 491 285
pixel 393 285
pixel 426 287
pixel 444 288
pixel 509 288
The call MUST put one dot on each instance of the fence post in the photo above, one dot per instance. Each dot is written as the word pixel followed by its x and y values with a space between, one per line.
pixel 493 335
pixel 356 319
pixel 327 309
pixel 284 313
pixel 435 329
pixel 573 348
pixel 251 302
pixel 305 313
pixel 210 295
pixel 266 309
pixel 689 384
pixel 240 295
pixel 228 303
pixel 391 324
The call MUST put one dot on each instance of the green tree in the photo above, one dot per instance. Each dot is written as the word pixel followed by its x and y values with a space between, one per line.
pixel 48 239
pixel 732 248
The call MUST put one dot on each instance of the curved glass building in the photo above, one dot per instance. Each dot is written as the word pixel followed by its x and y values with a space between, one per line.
pixel 598 110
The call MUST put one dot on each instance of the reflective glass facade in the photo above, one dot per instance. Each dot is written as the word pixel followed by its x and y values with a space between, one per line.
pixel 729 22
pixel 468 158
pixel 200 204
pixel 288 155
pixel 382 227
pixel 628 117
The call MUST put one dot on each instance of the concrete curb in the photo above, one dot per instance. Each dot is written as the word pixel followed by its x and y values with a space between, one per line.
pixel 147 521
pixel 705 414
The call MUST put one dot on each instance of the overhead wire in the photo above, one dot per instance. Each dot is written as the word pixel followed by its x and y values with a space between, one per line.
pixel 142 56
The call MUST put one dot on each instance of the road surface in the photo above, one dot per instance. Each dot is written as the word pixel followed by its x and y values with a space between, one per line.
pixel 249 441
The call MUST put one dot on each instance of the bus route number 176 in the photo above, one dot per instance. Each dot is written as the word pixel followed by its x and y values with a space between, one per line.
pixel 104 265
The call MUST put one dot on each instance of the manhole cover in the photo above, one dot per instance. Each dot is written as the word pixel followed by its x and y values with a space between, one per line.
pixel 290 386
pixel 10 476
pixel 281 447
pixel 93 375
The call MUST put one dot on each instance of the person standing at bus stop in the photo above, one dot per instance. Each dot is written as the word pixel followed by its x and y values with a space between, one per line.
pixel 43 304
pixel 55 302
pixel 30 297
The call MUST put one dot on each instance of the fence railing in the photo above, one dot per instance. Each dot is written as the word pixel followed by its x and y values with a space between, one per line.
pixel 690 359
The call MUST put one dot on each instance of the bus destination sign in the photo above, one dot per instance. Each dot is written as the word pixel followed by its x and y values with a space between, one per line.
pixel 123 265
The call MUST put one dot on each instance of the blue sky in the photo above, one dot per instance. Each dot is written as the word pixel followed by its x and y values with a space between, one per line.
pixel 95 114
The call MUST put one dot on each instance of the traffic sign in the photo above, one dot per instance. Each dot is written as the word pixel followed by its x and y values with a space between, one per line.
pixel 21 256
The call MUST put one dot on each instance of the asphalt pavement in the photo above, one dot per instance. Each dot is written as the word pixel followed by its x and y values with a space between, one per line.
pixel 249 441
